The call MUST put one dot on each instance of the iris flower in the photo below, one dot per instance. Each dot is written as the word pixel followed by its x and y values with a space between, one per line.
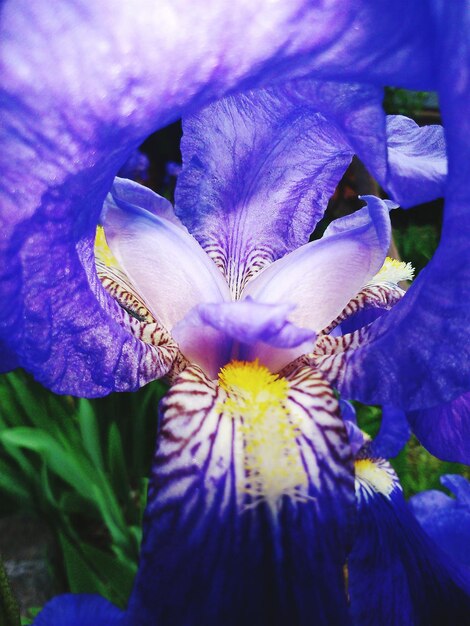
pixel 252 504
pixel 83 85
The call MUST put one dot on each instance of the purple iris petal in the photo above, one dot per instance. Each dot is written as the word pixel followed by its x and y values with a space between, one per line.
pixel 79 610
pixel 420 356
pixel 348 412
pixel 258 171
pixel 164 263
pixel 447 520
pixel 397 575
pixel 214 553
pixel 247 322
pixel 417 161
pixel 321 277
pixel 127 192
pixel 355 435
pixel 83 84
pixel 393 434
pixel 259 167
pixel 8 360
pixel 445 429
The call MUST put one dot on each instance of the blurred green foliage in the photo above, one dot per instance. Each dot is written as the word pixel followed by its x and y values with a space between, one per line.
pixel 403 102
pixel 417 243
pixel 82 466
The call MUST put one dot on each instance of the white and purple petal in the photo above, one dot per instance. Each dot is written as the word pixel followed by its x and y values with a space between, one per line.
pixel 321 277
pixel 238 556
pixel 164 263
pixel 258 171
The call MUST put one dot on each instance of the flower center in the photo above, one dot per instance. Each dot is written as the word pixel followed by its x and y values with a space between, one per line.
pixel 258 401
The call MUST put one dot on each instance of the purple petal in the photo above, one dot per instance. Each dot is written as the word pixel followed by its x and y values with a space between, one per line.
pixel 420 356
pixel 446 520
pixel 258 171
pixel 348 412
pixel 459 486
pixel 247 322
pixel 417 161
pixel 355 436
pixel 84 83
pixel 79 610
pixel 236 558
pixel 8 360
pixel 397 575
pixel 167 267
pixel 321 277
pixel 393 434
pixel 445 430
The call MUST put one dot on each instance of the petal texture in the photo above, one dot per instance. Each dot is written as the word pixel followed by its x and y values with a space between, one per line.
pixel 417 161
pixel 396 574
pixel 258 170
pixel 245 330
pixel 321 277
pixel 447 520
pixel 83 84
pixel 79 610
pixel 167 267
pixel 419 356
pixel 243 548
pixel 445 429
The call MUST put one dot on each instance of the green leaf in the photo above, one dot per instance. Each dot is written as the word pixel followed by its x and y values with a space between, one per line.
pixel 90 432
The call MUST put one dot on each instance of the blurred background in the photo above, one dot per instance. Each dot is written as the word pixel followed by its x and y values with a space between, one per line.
pixel 73 472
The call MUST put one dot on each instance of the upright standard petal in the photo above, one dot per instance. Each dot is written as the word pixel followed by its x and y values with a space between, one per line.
pixel 259 167
pixel 258 171
pixel 417 161
pixel 248 519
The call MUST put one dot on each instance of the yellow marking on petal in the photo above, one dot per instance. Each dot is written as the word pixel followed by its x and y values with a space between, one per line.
pixel 257 400
pixel 393 271
pixel 374 475
pixel 102 250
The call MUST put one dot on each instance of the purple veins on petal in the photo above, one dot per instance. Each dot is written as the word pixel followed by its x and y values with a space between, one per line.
pixel 258 171
pixel 250 503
